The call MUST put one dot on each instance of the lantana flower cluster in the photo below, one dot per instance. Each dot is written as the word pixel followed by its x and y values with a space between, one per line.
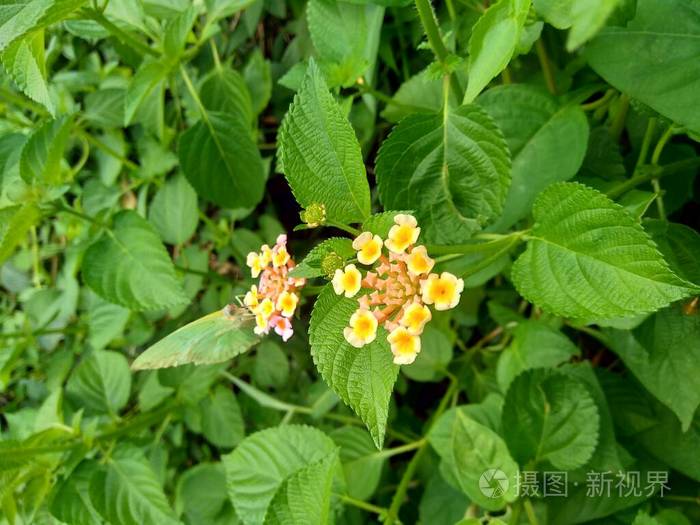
pixel 274 299
pixel 402 289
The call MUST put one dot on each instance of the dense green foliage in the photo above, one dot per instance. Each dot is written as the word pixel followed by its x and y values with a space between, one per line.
pixel 548 150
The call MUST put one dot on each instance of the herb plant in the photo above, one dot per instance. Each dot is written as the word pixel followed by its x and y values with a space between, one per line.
pixel 349 261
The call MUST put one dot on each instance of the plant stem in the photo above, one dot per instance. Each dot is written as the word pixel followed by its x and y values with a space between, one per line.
pixel 390 452
pixel 122 35
pixel 656 154
pixel 618 122
pixel 67 209
pixel 22 102
pixel 109 151
pixel 606 98
pixel 400 494
pixel 646 143
pixel 349 229
pixel 193 93
pixel 362 504
pixel 546 66
pixel 654 172
pixel 432 31
pixel 530 511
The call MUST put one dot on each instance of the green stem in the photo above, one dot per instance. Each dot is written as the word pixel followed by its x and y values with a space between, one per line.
pixel 432 31
pixel 67 209
pixel 530 511
pixel 362 504
pixel 546 66
pixel 24 103
pixel 400 494
pixel 390 452
pixel 655 156
pixel 45 331
pixel 109 151
pixel 36 263
pixel 515 515
pixel 122 35
pixel 605 99
pixel 349 229
pixel 618 122
pixel 655 172
pixel 646 143
pixel 193 93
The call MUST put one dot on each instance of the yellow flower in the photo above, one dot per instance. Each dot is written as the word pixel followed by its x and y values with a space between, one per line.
pixel 280 257
pixel 347 281
pixel 415 317
pixel 442 291
pixel 418 261
pixel 261 324
pixel 404 345
pixel 362 329
pixel 265 254
pixel 251 297
pixel 266 308
pixel 404 233
pixel 255 263
pixel 368 246
pixel 287 303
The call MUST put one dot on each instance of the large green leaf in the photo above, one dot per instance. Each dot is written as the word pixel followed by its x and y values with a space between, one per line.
pixel 477 457
pixel 264 462
pixel 225 91
pixel 584 18
pixel 534 345
pixel 129 266
pixel 320 153
pixel 342 33
pixel 222 421
pixel 664 354
pixel 493 41
pixel 362 377
pixel 148 80
pixel 664 39
pixel 214 338
pixel 174 210
pixel 127 492
pixel 453 170
pixel 550 419
pixel 24 62
pixel 15 222
pixel 588 258
pixel 71 500
pixel 547 142
pixel 101 383
pixel 21 17
pixel 222 162
pixel 362 462
pixel 304 498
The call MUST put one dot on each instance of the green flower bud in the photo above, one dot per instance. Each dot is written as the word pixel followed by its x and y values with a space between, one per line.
pixel 330 263
pixel 314 215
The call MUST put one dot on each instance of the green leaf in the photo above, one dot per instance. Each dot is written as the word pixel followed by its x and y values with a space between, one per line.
pixel 214 338
pixel 222 162
pixel 174 211
pixel 422 93
pixel 680 246
pixel 362 377
pixel 271 365
pixel 320 153
pixel 534 345
pixel 666 29
pixel 101 383
pixel 547 142
pixel 664 354
pixel 311 266
pixel 342 33
pixel 493 41
pixel 177 30
pixel 584 18
pixel 24 62
pixel 201 494
pixel 381 223
pixel 222 421
pixel 588 258
pixel 43 152
pixel 362 463
pixel 262 463
pixel 106 321
pixel 304 498
pixel 22 17
pixel 477 457
pixel 258 78
pixel 225 91
pixel 481 260
pixel 15 223
pixel 71 500
pixel 454 171
pixel 127 492
pixel 550 418
pixel 148 80
pixel 129 266
pixel 441 503
pixel 436 354
pixel 105 108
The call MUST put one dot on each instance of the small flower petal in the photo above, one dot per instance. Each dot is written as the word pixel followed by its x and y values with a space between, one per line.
pixel 404 346
pixel 418 262
pixel 404 233
pixel 348 281
pixel 443 291
pixel 369 247
pixel 362 329
pixel 287 303
pixel 415 317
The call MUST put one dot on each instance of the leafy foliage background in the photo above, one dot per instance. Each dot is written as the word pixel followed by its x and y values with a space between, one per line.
pixel 548 148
